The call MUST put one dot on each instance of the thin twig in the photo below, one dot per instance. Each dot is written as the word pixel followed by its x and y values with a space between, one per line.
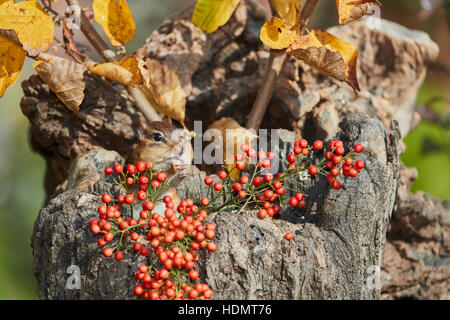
pixel 277 60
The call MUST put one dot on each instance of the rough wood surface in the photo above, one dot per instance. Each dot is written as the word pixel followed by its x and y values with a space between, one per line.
pixel 338 236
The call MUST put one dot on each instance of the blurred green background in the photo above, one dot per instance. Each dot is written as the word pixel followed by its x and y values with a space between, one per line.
pixel 22 171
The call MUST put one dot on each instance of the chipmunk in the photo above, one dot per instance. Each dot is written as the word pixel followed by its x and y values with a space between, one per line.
pixel 169 149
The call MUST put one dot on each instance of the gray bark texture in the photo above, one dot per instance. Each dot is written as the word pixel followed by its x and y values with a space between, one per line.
pixel 339 238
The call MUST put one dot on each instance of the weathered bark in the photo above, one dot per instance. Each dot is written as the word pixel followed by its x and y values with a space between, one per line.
pixel 339 236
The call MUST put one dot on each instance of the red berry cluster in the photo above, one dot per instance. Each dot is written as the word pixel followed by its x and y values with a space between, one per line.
pixel 171 241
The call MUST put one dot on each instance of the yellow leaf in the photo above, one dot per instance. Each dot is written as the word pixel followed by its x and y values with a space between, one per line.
pixel 209 15
pixel 116 19
pixel 233 135
pixel 163 87
pixel 11 62
pixel 275 34
pixel 65 79
pixel 329 54
pixel 288 11
pixel 28 23
pixel 350 10
pixel 114 71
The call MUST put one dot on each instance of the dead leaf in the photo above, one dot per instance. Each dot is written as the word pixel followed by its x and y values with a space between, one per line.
pixel 163 88
pixel 328 54
pixel 116 19
pixel 12 57
pixel 65 79
pixel 275 34
pixel 233 135
pixel 27 23
pixel 209 15
pixel 70 46
pixel 288 11
pixel 350 10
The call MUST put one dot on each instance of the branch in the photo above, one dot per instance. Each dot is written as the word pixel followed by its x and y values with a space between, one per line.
pixel 102 48
pixel 277 60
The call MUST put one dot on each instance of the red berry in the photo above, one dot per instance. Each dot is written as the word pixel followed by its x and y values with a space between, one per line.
pixel 288 236
pixel 131 169
pixel 270 155
pixel 240 166
pixel 129 199
pixel 290 158
pixel 330 178
pixel 161 176
pixel 262 213
pixel 334 171
pixel 243 180
pixel 118 168
pixel 251 153
pixel 107 252
pixel 193 275
pixel 299 196
pixel 211 247
pixel 208 181
pixel 337 159
pixel 266 164
pixel 358 148
pixel 222 175
pixel 298 150
pixel 318 145
pixel 339 151
pixel 204 201
pixel 303 143
pixel 258 181
pixel 352 172
pixel 140 166
pixel 293 202
pixel 277 184
pixel 241 194
pixel 359 164
pixel 268 177
pixel 118 255
pixel 106 198
pixel 313 170
pixel 95 228
pixel 237 186
pixel 155 184
pixel 218 186
pixel 329 155
pixel 349 161
pixel 142 195
pixel 245 147
pixel 336 184
pixel 138 290
pixel 108 171
pixel 149 165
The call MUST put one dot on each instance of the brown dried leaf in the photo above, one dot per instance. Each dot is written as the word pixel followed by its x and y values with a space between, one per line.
pixel 65 79
pixel 328 54
pixel 350 10
pixel 233 135
pixel 162 88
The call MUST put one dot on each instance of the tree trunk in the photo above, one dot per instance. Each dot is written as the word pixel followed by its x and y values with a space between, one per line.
pixel 339 238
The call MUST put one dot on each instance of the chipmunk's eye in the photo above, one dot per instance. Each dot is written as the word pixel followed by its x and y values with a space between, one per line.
pixel 157 137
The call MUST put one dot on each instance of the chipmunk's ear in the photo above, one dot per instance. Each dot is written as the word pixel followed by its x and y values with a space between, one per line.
pixel 168 121
pixel 142 127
